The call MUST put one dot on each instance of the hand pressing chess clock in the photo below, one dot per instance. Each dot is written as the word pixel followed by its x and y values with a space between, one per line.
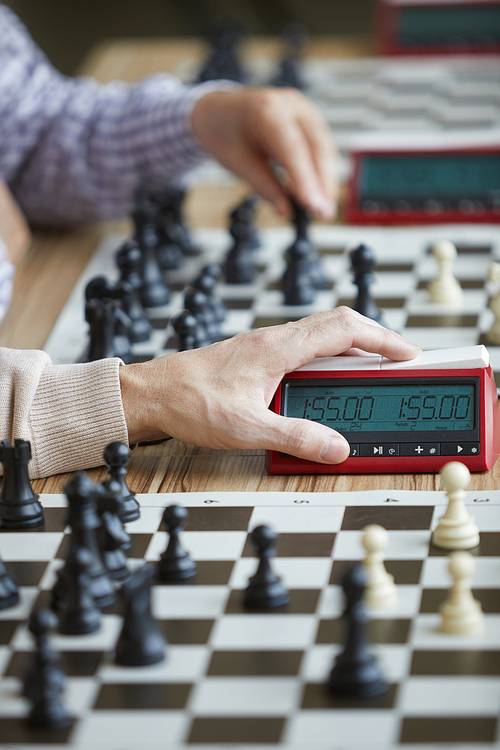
pixel 218 396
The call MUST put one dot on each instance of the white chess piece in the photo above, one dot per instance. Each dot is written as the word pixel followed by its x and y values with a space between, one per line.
pixel 445 289
pixel 461 614
pixel 457 528
pixel 494 332
pixel 380 591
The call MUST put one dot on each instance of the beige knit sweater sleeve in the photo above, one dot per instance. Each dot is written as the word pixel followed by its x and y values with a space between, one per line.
pixel 67 412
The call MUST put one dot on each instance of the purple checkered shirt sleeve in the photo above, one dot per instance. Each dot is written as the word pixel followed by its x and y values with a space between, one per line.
pixel 74 150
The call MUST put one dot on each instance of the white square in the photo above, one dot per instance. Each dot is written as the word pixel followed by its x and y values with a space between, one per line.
pixel 202 545
pixel 246 696
pixel 450 696
pixel 169 602
pixel 338 730
pixel 252 631
pixel 41 546
pixel 102 730
pixel 300 518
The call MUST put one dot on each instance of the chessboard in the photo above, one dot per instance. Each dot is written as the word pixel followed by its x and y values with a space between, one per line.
pixel 364 96
pixel 248 680
pixel 403 271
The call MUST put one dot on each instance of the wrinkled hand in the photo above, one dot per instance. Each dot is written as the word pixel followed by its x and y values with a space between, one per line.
pixel 249 128
pixel 14 230
pixel 218 396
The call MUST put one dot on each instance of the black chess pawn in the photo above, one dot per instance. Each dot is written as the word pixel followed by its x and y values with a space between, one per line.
pixel 169 251
pixel 302 221
pixel 356 671
pixel 9 592
pixel 188 332
pixel 114 542
pixel 362 264
pixel 244 215
pixel 154 290
pixel 20 507
pixel 175 563
pixel 289 73
pixel 207 284
pixel 171 203
pixel 77 611
pixel 82 517
pixel 240 266
pixel 197 303
pixel 140 642
pixel 265 590
pixel 116 457
pixel 140 327
pixel 296 285
pixel 101 317
pixel 44 680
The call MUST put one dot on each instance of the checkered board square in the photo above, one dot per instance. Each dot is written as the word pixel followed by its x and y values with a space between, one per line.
pixel 404 268
pixel 249 680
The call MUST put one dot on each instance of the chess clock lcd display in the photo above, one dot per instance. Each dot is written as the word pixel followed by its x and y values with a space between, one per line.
pixel 413 27
pixel 389 407
pixel 419 186
pixel 396 417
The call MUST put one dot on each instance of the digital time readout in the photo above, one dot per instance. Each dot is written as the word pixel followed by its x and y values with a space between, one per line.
pixel 384 408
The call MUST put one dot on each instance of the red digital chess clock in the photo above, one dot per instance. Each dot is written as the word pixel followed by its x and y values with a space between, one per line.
pixel 429 181
pixel 433 27
pixel 412 416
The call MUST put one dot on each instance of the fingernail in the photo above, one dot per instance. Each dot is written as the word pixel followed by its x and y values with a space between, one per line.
pixel 335 450
pixel 322 205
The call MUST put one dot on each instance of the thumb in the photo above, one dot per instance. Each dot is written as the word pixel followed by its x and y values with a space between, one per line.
pixel 305 439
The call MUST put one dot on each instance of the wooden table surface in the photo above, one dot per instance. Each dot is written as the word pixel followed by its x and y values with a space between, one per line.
pixel 57 258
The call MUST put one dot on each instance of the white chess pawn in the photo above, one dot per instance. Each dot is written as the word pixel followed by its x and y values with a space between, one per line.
pixel 445 289
pixel 380 591
pixel 457 528
pixel 461 614
pixel 494 332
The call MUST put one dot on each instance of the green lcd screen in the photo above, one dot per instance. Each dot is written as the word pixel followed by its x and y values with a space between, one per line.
pixel 424 176
pixel 452 25
pixel 405 407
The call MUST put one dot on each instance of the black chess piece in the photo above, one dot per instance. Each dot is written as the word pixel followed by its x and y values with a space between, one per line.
pixel 356 671
pixel 101 317
pixel 244 215
pixel 82 517
pixel 114 542
pixel 175 563
pixel 206 282
pixel 169 251
pixel 44 680
pixel 265 590
pixel 77 611
pixel 296 285
pixel 116 457
pixel 289 72
pixel 188 333
pixel 197 303
pixel 223 59
pixel 20 507
pixel 140 642
pixel 302 221
pixel 240 266
pixel 154 290
pixel 362 263
pixel 171 203
pixel 9 592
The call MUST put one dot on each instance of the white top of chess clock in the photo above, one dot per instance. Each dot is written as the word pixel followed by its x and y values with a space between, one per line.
pixel 459 358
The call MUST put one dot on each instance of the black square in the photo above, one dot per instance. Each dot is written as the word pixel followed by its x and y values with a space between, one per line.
pixel 73 663
pixel 489 546
pixel 452 729
pixel 404 571
pixel 450 320
pixel 145 696
pixel 16 730
pixel 139 544
pixel 460 662
pixel 308 544
pixel 255 663
pixel 215 518
pixel 317 696
pixel 248 730
pixel 433 598
pixel 27 572
pixel 7 630
pixel 187 631
pixel 390 630
pixel 392 517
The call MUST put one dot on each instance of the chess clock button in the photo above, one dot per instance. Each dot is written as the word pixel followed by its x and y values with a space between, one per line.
pixel 419 449
pixel 354 450
pixel 460 449
pixel 379 449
